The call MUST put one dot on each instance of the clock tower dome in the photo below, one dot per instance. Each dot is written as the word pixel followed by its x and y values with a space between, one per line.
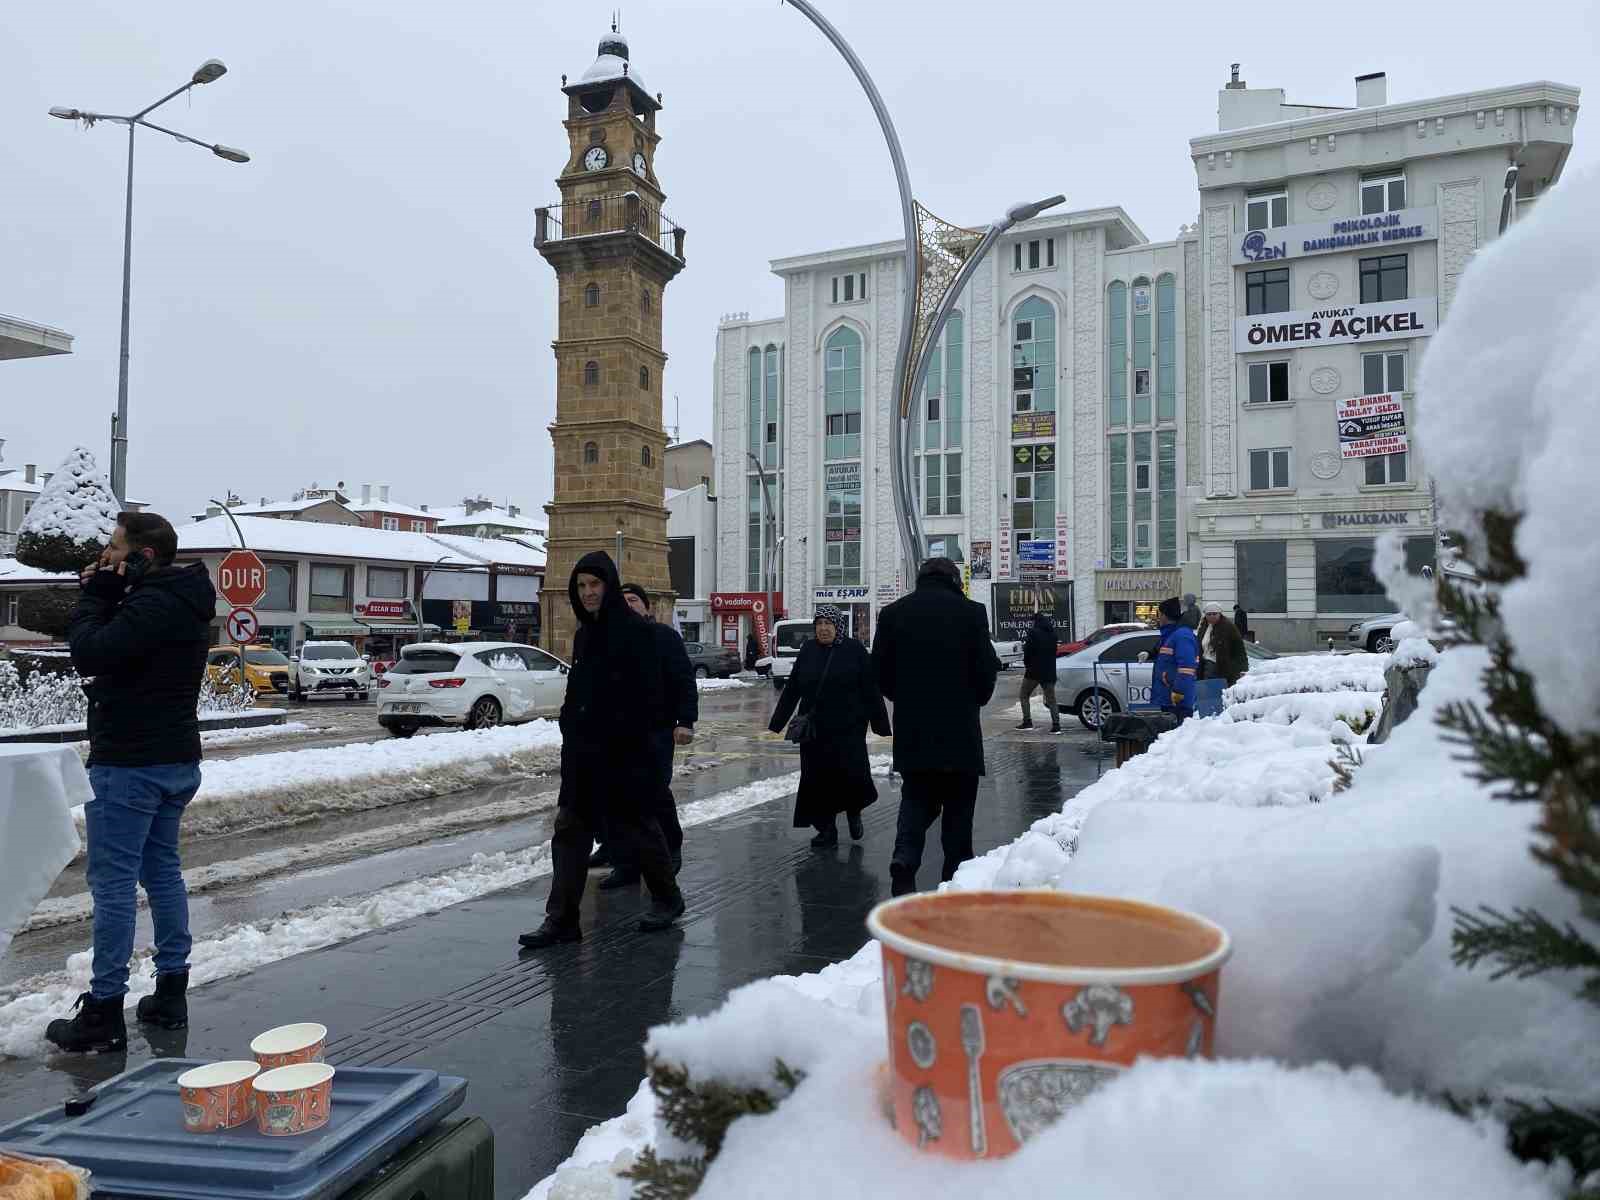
pixel 614 253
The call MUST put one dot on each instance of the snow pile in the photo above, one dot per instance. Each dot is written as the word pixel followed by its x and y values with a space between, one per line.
pixel 76 504
pixel 1310 673
pixel 222 739
pixel 721 685
pixel 1515 345
pixel 1355 709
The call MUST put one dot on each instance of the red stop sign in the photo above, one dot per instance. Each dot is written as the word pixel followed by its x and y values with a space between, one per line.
pixel 241 578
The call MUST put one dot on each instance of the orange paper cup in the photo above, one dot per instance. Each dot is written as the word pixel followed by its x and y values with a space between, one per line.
pixel 294 1099
pixel 217 1096
pixel 290 1044
pixel 1005 1009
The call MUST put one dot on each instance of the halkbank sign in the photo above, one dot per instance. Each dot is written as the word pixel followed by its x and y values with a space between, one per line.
pixel 1337 325
pixel 1340 233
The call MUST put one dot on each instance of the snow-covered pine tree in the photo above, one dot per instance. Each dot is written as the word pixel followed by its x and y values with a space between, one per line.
pixel 66 529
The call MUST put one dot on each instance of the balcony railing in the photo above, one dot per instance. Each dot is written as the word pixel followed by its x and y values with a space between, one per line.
pixel 592 215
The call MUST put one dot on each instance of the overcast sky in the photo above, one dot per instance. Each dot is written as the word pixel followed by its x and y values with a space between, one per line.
pixel 363 302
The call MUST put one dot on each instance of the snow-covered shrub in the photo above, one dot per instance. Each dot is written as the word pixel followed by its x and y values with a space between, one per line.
pixel 44 698
pixel 224 696
pixel 68 527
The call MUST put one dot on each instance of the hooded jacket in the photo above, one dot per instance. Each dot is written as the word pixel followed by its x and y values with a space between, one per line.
pixel 1177 662
pixel 145 650
pixel 1039 650
pixel 614 692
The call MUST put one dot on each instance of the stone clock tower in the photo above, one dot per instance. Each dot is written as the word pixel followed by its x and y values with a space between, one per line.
pixel 614 254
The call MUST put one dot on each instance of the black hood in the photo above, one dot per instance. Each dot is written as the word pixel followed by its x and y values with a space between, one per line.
pixel 597 563
pixel 1172 609
pixel 939 572
pixel 1043 623
pixel 191 584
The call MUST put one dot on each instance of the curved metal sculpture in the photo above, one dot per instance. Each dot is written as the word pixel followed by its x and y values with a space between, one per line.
pixel 940 258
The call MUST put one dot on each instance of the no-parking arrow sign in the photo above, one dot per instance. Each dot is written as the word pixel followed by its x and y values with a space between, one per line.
pixel 243 626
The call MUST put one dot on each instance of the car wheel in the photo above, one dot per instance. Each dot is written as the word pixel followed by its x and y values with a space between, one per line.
pixel 701 673
pixel 297 695
pixel 1094 706
pixel 366 697
pixel 403 730
pixel 1375 640
pixel 485 713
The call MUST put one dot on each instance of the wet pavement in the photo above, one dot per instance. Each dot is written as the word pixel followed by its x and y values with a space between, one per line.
pixel 551 1042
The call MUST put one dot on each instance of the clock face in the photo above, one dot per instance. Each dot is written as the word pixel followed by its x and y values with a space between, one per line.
pixel 596 159
pixel 638 163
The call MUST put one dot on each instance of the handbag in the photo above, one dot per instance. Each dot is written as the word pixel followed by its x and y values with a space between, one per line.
pixel 801 728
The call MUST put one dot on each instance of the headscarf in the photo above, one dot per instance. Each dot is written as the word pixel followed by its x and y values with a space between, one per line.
pixel 1213 606
pixel 829 613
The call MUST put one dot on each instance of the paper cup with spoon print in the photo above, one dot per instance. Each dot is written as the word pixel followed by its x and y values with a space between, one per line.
pixel 290 1044
pixel 217 1096
pixel 1006 1009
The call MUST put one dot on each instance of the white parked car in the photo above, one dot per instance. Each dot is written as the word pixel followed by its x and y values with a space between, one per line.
pixel 1009 654
pixel 323 667
pixel 471 684
pixel 1372 635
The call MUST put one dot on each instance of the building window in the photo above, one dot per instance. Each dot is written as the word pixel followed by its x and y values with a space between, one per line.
pixel 842 394
pixel 849 288
pixel 644 456
pixel 1033 357
pixel 1385 468
pixel 1263 576
pixel 330 588
pixel 392 523
pixel 1166 349
pixel 1143 321
pixel 386 583
pixel 1269 470
pixel 644 377
pixel 1034 254
pixel 591 296
pixel 418 526
pixel 1345 582
pixel 1269 382
pixel 1033 494
pixel 591 374
pixel 841 563
pixel 645 302
pixel 1385 372
pixel 8 609
pixel 771 389
pixel 1142 499
pixel 279 596
pixel 1117 353
pixel 1383 278
pixel 1266 291
pixel 1267 210
pixel 1383 193
pixel 937 475
pixel 591 453
pixel 592 213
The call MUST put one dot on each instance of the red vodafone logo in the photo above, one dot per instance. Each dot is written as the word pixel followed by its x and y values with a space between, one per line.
pixel 241 578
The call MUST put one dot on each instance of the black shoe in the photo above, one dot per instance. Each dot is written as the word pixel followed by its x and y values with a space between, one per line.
pixel 1056 728
pixel 901 881
pixel 1026 725
pixel 600 858
pixel 169 1007
pixel 677 863
pixel 99 1025
pixel 663 914
pixel 826 838
pixel 550 934
pixel 857 830
pixel 620 877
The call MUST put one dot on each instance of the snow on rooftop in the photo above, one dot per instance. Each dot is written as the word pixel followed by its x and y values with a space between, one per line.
pixel 264 534
pixel 12 571
pixel 13 480
pixel 401 510
pixel 456 515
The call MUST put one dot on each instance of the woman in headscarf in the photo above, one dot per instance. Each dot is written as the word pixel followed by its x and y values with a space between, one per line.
pixel 834 684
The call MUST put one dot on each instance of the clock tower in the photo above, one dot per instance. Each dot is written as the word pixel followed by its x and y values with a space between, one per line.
pixel 614 254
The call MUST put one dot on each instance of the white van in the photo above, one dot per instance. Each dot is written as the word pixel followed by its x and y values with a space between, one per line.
pixel 787 638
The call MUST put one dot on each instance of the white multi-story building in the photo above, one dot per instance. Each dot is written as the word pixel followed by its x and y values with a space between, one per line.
pixel 1117 420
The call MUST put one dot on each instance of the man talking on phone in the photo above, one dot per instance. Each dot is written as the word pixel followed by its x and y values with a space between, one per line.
pixel 139 638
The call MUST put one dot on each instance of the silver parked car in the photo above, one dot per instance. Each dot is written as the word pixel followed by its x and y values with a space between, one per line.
pixel 1114 676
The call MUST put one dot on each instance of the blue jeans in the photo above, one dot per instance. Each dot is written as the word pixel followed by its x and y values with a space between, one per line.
pixel 133 838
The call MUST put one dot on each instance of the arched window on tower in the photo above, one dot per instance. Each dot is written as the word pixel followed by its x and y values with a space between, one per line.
pixel 644 377
pixel 591 453
pixel 591 374
pixel 591 296
pixel 644 456
pixel 592 216
pixel 645 302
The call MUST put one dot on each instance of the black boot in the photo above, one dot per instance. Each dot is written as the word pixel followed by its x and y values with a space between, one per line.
pixel 826 837
pixel 1026 724
pixel 99 1025
pixel 1055 725
pixel 620 877
pixel 663 913
pixel 901 881
pixel 551 933
pixel 677 862
pixel 169 1007
pixel 857 830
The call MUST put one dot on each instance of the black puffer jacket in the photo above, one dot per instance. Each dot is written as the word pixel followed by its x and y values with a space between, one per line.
pixel 146 653
pixel 614 699
pixel 1039 650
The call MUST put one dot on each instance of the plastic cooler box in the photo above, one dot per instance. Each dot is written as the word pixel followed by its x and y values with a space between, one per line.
pixel 133 1141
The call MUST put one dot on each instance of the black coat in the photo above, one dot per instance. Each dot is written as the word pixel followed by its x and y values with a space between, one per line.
pixel 835 775
pixel 1241 620
pixel 1039 650
pixel 146 650
pixel 615 697
pixel 1192 616
pixel 680 699
pixel 936 662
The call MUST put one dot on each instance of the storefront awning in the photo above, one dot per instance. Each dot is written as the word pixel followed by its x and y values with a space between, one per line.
pixel 335 628
pixel 396 625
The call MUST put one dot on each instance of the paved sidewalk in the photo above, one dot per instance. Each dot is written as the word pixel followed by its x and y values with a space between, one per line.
pixel 551 1042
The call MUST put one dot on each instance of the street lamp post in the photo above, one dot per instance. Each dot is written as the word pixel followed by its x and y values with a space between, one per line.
pixel 771 572
pixel 423 587
pixel 206 72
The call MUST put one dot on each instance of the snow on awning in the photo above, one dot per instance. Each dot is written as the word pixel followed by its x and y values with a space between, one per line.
pixel 336 628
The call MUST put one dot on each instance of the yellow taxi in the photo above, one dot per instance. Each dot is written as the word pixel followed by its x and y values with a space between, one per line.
pixel 265 667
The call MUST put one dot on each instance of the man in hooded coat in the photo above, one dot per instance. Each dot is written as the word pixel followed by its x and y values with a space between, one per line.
pixel 1039 670
pixel 609 766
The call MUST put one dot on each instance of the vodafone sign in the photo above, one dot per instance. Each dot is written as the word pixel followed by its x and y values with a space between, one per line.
pixel 754 603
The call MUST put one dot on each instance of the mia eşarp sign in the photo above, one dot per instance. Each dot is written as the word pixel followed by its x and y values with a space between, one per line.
pixel 1337 326
pixel 1372 425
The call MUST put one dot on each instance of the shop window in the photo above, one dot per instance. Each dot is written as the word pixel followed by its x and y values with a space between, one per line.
pixel 1266 291
pixel 1383 278
pixel 1386 468
pixel 1263 576
pixel 591 374
pixel 1383 193
pixel 1269 382
pixel 1385 372
pixel 1269 470
pixel 1267 210
pixel 591 453
pixel 1345 582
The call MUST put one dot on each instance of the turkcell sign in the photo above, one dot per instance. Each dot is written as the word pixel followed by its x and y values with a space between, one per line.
pixel 1337 326
pixel 1341 233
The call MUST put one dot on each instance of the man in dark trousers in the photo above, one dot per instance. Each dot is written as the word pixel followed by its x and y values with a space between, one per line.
pixel 752 651
pixel 1039 670
pixel 672 727
pixel 609 771
pixel 1177 663
pixel 936 663
pixel 139 638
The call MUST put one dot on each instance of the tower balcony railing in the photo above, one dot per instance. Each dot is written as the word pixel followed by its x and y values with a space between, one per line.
pixel 590 216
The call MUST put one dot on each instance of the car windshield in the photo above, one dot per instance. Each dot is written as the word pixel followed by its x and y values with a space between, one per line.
pixel 265 658
pixel 792 637
pixel 328 650
pixel 425 662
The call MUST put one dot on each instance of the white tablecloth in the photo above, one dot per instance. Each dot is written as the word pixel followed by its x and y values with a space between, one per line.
pixel 39 784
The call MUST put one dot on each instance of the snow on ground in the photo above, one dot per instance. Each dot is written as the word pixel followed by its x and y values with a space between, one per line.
pixel 721 685
pixel 1356 709
pixel 1310 673
pixel 27 1006
pixel 263 790
pixel 217 739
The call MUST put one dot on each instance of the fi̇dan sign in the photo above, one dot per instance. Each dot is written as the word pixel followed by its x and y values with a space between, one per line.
pixel 1370 425
pixel 1337 326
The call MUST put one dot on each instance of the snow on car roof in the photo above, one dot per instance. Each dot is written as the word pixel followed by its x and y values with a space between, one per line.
pixel 264 534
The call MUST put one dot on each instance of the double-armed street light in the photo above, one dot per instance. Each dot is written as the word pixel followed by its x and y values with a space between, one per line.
pixel 207 72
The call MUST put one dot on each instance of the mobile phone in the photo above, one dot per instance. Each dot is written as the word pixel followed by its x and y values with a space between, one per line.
pixel 137 565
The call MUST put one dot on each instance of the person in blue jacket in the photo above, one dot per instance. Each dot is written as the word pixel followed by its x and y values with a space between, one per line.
pixel 1177 663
